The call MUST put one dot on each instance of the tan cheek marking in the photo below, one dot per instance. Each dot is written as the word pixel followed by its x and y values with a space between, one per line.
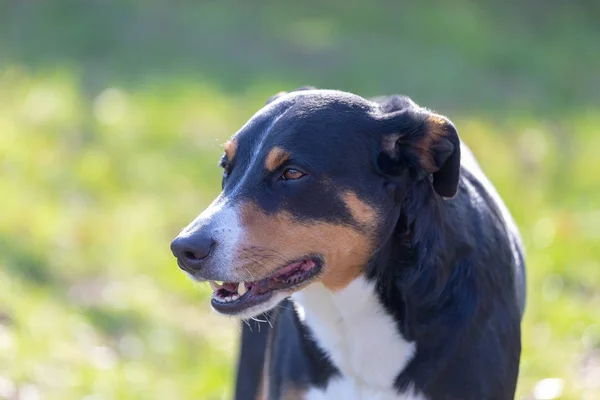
pixel 230 149
pixel 436 129
pixel 275 158
pixel 273 240
pixel 361 211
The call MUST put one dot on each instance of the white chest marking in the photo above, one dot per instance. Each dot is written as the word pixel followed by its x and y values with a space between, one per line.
pixel 361 339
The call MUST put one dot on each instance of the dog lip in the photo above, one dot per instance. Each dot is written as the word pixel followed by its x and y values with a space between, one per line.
pixel 314 258
pixel 239 305
pixel 262 290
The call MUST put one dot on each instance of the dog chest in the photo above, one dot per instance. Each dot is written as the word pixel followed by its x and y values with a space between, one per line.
pixel 360 338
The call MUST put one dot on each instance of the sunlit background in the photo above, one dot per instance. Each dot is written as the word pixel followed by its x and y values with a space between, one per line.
pixel 112 116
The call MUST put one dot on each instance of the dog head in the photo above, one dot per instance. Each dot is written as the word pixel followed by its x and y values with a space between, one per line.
pixel 311 188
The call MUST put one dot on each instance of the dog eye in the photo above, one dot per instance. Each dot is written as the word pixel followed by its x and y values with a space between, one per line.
pixel 291 174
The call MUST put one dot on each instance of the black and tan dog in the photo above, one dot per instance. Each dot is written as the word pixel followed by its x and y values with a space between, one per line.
pixel 366 235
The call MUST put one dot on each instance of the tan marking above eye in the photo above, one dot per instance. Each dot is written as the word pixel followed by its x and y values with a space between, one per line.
pixel 275 158
pixel 230 149
pixel 275 239
pixel 362 212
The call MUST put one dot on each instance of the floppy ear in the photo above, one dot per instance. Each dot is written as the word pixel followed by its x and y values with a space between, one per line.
pixel 278 95
pixel 429 139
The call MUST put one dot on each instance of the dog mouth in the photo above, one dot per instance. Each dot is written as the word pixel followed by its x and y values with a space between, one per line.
pixel 235 297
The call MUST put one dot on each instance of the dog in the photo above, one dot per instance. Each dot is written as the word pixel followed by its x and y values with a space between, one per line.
pixel 369 254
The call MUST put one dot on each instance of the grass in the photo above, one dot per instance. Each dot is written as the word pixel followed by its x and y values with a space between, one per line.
pixel 111 120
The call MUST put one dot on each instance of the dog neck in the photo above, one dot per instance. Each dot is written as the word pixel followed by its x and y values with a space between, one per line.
pixel 367 328
pixel 414 267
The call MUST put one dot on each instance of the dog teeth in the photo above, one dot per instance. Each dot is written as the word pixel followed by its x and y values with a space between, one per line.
pixel 218 294
pixel 242 289
pixel 227 299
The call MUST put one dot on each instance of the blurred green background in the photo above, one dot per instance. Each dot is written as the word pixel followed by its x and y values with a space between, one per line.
pixel 112 116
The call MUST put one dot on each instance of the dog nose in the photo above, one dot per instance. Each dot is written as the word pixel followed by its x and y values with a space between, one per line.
pixel 192 250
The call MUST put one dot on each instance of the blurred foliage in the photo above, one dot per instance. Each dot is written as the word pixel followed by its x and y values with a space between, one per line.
pixel 111 119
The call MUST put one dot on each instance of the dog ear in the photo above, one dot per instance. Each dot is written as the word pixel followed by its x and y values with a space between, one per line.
pixel 429 140
pixel 278 95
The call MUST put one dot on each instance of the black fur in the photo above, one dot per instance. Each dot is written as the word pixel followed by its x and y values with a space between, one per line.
pixel 448 264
